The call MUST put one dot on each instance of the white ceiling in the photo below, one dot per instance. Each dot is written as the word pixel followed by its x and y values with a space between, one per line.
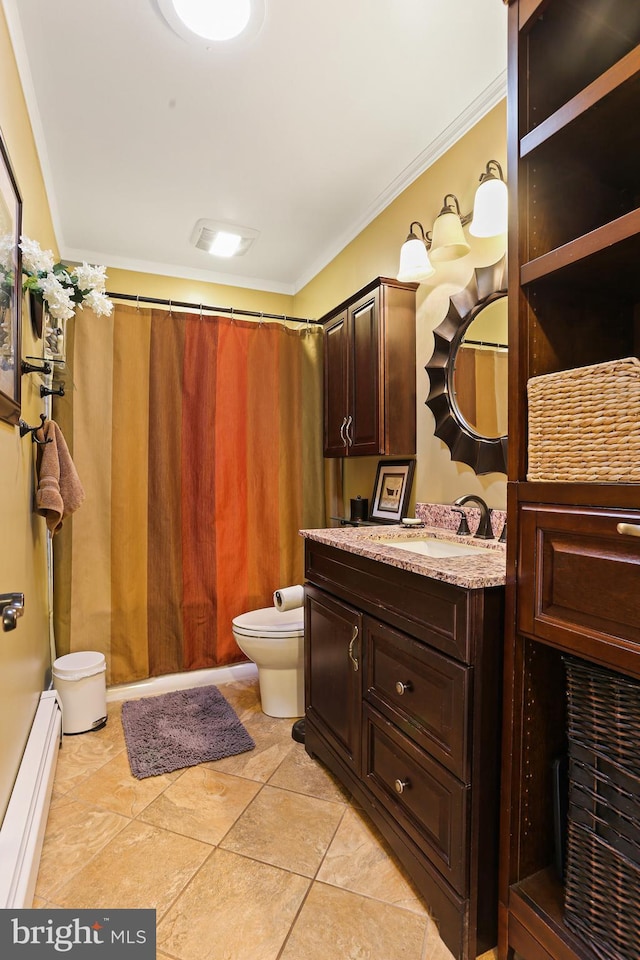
pixel 303 134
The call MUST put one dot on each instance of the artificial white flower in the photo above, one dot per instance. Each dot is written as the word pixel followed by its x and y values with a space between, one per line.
pixel 35 260
pixel 91 278
pixel 57 298
pixel 60 288
pixel 97 302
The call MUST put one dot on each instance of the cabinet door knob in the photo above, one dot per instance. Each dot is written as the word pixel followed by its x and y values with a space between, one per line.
pixel 633 529
pixel 348 430
pixel 402 687
pixel 354 660
pixel 402 785
pixel 342 426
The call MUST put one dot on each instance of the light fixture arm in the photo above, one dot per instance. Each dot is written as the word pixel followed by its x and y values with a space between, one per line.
pixel 489 173
pixel 424 236
pixel 454 207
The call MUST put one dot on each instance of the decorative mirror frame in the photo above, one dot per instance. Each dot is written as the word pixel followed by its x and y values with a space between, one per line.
pixel 484 454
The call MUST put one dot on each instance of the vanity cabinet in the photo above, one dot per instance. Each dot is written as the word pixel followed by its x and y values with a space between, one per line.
pixel 403 698
pixel 369 367
pixel 574 300
pixel 332 670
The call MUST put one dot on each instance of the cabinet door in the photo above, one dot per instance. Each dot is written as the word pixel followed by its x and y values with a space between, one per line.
pixel 333 672
pixel 335 387
pixel 578 581
pixel 363 429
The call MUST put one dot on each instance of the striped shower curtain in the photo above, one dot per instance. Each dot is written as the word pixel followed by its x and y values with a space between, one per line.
pixel 198 442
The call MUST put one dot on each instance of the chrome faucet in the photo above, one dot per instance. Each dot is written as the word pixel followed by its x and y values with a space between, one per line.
pixel 484 531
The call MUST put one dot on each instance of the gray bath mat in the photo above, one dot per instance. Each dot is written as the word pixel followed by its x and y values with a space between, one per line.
pixel 181 729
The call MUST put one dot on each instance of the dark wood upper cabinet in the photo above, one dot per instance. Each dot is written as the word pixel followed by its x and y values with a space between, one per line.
pixel 369 373
pixel 574 300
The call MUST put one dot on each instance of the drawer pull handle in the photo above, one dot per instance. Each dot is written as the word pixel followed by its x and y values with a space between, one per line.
pixel 354 660
pixel 402 785
pixel 633 529
pixel 402 688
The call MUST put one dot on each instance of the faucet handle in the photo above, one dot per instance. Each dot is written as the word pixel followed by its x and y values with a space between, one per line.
pixel 463 528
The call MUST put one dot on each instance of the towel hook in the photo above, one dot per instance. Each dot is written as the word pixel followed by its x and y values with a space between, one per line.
pixel 26 367
pixel 25 429
pixel 51 392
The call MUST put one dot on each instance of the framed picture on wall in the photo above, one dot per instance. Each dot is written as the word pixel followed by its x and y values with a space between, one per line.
pixel 10 289
pixel 392 490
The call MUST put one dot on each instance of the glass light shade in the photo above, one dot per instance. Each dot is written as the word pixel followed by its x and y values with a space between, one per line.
pixel 415 265
pixel 490 209
pixel 225 244
pixel 448 242
pixel 214 19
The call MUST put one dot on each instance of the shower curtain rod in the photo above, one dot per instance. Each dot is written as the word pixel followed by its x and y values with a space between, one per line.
pixel 203 306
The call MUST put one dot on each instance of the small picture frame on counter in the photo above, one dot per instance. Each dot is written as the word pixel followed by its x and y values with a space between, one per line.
pixel 392 490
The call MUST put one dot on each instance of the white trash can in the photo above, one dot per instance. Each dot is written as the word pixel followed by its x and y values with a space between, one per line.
pixel 79 679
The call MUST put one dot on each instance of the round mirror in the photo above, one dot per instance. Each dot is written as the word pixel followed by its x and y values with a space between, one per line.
pixel 479 372
pixel 468 373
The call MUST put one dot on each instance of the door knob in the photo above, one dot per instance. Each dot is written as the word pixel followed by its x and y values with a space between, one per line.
pixel 11 607
pixel 402 687
pixel 402 785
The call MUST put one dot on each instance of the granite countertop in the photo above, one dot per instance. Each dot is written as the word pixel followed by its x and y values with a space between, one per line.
pixel 486 569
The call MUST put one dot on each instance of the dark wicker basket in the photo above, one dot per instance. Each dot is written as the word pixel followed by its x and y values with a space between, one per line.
pixel 604 713
pixel 602 881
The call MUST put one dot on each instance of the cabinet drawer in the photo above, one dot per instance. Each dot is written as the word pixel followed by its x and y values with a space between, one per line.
pixel 432 611
pixel 579 581
pixel 422 692
pixel 424 798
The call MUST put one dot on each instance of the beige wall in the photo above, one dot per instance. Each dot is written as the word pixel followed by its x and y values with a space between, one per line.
pixel 24 652
pixel 374 253
pixel 194 291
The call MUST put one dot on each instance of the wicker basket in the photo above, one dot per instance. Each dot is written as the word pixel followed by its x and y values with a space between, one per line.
pixel 602 880
pixel 584 424
pixel 604 713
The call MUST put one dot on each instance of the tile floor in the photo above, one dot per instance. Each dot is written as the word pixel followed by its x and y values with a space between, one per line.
pixel 262 856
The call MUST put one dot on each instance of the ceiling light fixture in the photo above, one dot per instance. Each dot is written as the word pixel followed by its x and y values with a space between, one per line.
pixel 222 239
pixel 448 242
pixel 213 21
pixel 225 244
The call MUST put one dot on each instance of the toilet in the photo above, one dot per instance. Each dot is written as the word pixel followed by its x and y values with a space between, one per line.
pixel 274 640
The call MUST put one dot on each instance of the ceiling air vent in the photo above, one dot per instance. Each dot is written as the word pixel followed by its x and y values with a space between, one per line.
pixel 222 239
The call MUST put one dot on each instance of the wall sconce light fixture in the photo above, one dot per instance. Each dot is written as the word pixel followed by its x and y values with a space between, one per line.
pixel 448 242
pixel 490 204
pixel 415 265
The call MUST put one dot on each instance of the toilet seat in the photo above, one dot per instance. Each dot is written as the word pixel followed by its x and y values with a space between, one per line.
pixel 270 622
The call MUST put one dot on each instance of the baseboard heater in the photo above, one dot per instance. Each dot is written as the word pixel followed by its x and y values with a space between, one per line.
pixel 22 831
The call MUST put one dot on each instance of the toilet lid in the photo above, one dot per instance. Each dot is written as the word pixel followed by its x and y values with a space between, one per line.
pixel 269 620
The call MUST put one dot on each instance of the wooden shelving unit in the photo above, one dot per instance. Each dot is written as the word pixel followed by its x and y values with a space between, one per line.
pixel 574 300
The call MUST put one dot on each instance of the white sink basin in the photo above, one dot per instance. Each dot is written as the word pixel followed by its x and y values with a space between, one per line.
pixel 431 547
